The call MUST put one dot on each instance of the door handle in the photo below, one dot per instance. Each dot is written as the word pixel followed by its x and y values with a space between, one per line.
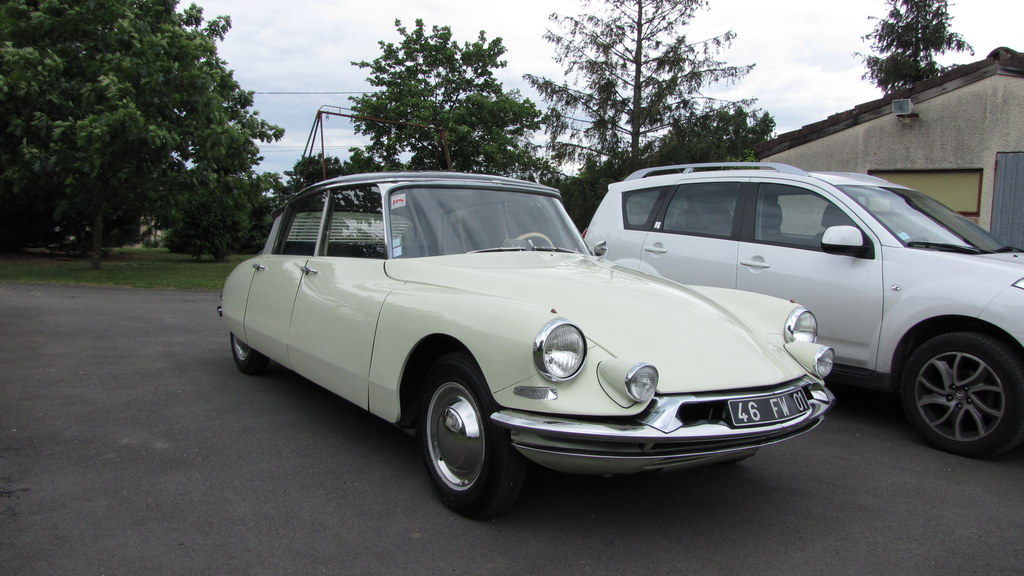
pixel 655 249
pixel 755 263
pixel 308 270
pixel 258 267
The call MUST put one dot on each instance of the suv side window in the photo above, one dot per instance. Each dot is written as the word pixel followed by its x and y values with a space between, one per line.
pixel 302 227
pixel 792 216
pixel 703 209
pixel 356 224
pixel 640 207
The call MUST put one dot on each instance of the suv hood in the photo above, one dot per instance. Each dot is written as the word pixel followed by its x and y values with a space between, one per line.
pixel 694 342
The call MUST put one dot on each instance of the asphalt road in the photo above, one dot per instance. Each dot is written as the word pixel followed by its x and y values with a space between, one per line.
pixel 130 444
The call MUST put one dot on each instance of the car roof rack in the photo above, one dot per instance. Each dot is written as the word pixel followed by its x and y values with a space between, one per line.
pixel 689 168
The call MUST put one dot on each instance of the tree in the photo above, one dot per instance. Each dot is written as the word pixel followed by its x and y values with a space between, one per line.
pixel 118 106
pixel 431 80
pixel 908 39
pixel 722 134
pixel 235 219
pixel 307 171
pixel 637 76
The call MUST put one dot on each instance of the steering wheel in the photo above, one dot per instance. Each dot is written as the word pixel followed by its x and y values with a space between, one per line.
pixel 529 235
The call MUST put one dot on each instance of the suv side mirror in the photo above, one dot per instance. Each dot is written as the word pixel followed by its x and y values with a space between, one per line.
pixel 845 241
pixel 601 248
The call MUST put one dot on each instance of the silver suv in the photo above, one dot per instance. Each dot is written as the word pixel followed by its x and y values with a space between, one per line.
pixel 912 296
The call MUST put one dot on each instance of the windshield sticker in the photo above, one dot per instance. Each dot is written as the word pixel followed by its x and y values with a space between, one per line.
pixel 396 247
pixel 397 201
pixel 904 236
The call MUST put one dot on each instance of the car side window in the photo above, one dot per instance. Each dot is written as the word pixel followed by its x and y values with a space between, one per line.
pixel 302 227
pixel 792 216
pixel 356 224
pixel 703 209
pixel 640 207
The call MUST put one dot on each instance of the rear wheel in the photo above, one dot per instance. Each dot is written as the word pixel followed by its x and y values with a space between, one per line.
pixel 248 360
pixel 471 463
pixel 964 393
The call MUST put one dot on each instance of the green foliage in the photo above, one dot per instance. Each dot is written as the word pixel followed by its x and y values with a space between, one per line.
pixel 908 39
pixel 119 107
pixel 637 100
pixel 717 134
pixel 636 76
pixel 307 171
pixel 432 80
pixel 232 220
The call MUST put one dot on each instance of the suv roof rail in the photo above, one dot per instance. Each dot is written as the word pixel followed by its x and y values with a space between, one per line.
pixel 688 168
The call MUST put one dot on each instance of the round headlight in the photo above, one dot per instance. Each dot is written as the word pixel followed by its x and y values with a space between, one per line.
pixel 823 361
pixel 801 326
pixel 642 382
pixel 559 350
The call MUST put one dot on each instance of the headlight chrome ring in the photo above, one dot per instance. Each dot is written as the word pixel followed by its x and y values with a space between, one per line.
pixel 801 326
pixel 559 350
pixel 823 361
pixel 642 381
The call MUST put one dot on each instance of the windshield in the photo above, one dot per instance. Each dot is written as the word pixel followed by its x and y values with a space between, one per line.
pixel 431 221
pixel 920 221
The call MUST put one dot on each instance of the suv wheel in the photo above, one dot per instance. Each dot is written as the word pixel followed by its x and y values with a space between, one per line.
pixel 963 393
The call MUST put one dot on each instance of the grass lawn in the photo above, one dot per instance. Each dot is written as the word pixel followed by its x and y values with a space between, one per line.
pixel 137 267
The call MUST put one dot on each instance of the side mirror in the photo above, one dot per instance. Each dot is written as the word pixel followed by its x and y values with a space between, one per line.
pixel 845 241
pixel 601 248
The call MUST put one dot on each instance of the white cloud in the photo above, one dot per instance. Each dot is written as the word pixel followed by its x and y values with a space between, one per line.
pixel 804 50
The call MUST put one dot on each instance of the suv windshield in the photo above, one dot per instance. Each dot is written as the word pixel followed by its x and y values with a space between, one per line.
pixel 920 221
pixel 430 221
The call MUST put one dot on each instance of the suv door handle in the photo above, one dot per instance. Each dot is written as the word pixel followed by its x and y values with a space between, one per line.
pixel 258 267
pixel 755 263
pixel 655 249
pixel 308 270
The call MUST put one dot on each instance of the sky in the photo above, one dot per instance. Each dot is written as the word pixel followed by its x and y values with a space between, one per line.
pixel 804 52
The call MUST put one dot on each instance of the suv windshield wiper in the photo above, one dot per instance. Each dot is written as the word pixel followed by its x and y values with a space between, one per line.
pixel 959 248
pixel 1006 249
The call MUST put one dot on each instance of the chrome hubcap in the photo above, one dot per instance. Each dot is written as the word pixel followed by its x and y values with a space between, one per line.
pixel 959 396
pixel 241 350
pixel 455 436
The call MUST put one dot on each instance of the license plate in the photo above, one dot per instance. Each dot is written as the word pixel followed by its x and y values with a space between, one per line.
pixel 759 411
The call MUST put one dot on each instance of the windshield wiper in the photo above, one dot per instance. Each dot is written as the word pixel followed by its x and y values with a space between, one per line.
pixel 554 249
pixel 958 248
pixel 499 249
pixel 1006 249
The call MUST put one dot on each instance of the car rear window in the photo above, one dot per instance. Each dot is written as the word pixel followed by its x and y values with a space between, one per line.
pixel 640 207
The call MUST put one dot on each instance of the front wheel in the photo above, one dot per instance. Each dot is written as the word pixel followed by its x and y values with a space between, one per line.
pixel 248 360
pixel 964 393
pixel 471 463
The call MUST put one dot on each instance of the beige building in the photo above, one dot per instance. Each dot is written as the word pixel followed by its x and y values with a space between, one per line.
pixel 958 137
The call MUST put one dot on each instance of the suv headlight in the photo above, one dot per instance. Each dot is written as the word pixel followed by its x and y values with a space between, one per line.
pixel 559 350
pixel 1019 283
pixel 801 326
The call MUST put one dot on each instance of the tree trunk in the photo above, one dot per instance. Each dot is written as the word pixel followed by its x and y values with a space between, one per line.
pixel 97 237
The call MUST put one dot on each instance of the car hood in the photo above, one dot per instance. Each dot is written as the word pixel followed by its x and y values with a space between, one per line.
pixel 695 343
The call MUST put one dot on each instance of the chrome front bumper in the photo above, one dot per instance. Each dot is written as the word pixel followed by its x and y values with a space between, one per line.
pixel 673 432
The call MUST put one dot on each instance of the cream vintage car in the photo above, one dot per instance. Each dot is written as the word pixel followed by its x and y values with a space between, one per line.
pixel 467 308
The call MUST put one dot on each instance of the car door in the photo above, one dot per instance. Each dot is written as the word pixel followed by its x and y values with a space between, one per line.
pixel 694 240
pixel 277 277
pixel 781 255
pixel 340 297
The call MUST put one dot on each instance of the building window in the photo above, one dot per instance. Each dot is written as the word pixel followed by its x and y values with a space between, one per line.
pixel 960 190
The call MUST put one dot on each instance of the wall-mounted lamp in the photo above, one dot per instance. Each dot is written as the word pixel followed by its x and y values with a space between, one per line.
pixel 903 110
